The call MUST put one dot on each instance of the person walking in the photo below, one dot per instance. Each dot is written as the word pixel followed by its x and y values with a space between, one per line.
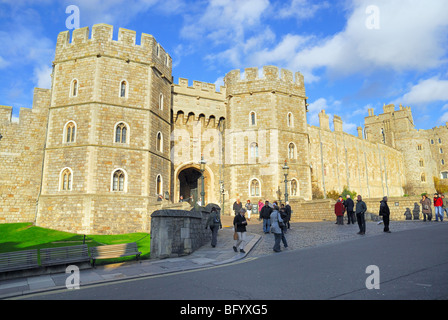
pixel 426 207
pixel 361 209
pixel 349 206
pixel 265 214
pixel 339 210
pixel 385 213
pixel 248 207
pixel 214 222
pixel 277 225
pixel 237 205
pixel 438 203
pixel 445 205
pixel 240 223
pixel 288 214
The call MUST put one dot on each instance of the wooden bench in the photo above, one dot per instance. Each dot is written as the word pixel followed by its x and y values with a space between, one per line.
pixel 64 255
pixel 18 260
pixel 114 251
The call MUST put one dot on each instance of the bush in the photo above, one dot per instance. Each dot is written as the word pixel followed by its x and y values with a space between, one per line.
pixel 346 191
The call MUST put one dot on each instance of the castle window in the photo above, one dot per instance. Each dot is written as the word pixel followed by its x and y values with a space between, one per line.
pixel 254 188
pixel 441 150
pixel 70 132
pixel 383 135
pixel 294 187
pixel 252 118
pixel 74 88
pixel 161 101
pixel 123 89
pixel 290 120
pixel 254 150
pixel 291 151
pixel 444 175
pixel 121 133
pixel 423 177
pixel 440 140
pixel 422 163
pixel 118 181
pixel 159 142
pixel 432 141
pixel 65 180
pixel 159 185
pixel 442 161
pixel 419 147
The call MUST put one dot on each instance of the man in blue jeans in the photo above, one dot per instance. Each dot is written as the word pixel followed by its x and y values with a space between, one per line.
pixel 445 205
pixel 265 214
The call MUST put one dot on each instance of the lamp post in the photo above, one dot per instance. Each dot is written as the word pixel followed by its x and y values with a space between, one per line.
pixel 202 166
pixel 285 173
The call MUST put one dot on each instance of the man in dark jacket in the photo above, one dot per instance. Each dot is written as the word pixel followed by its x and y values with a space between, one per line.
pixel 361 208
pixel 265 214
pixel 385 213
pixel 350 205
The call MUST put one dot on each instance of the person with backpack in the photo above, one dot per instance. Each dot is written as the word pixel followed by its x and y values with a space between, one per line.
pixel 214 222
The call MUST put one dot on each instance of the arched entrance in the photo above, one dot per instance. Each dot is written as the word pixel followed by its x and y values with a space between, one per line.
pixel 190 184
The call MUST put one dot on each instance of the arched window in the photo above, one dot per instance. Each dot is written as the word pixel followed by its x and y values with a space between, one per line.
pixel 121 132
pixel 255 188
pixel 159 186
pixel 123 89
pixel 65 183
pixel 290 120
pixel 74 88
pixel 159 142
pixel 422 163
pixel 70 132
pixel 294 187
pixel 254 150
pixel 161 102
pixel 423 177
pixel 291 151
pixel 118 180
pixel 252 118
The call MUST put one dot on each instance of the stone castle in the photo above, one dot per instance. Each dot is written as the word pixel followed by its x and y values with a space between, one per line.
pixel 114 132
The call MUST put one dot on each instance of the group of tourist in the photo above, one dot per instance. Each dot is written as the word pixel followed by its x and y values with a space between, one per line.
pixel 358 211
pixel 275 220
pixel 440 206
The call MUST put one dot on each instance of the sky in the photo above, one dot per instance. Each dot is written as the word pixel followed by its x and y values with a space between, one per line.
pixel 354 54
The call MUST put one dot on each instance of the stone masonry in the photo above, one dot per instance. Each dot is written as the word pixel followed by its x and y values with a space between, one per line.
pixel 115 132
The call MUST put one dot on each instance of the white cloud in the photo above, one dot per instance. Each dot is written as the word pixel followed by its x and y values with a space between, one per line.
pixel 42 75
pixel 411 37
pixel 426 91
pixel 301 9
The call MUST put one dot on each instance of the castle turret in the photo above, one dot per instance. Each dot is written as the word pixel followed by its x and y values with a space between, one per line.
pixel 266 125
pixel 108 133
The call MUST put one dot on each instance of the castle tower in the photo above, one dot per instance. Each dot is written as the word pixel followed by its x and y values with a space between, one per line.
pixel 266 125
pixel 107 145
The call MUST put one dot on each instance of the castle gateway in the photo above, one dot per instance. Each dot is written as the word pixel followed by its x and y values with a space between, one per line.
pixel 115 132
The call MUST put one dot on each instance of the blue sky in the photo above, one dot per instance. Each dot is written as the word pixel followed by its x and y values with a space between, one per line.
pixel 354 54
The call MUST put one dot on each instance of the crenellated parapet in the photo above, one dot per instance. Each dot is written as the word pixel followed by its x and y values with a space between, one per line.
pixel 101 44
pixel 270 78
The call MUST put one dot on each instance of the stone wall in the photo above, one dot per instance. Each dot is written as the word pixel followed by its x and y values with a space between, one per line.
pixel 177 233
pixel 324 209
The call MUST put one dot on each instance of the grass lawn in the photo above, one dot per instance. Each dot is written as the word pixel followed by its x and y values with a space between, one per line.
pixel 23 236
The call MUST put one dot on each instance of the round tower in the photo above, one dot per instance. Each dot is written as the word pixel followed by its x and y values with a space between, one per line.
pixel 266 126
pixel 107 146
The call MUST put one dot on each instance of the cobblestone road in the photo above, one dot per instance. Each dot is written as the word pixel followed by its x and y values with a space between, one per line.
pixel 308 234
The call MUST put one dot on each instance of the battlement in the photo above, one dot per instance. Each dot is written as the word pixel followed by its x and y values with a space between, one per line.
pixel 270 78
pixel 199 88
pixel 101 44
pixel 267 73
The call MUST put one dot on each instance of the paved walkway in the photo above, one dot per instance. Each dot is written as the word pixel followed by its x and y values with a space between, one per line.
pixel 301 235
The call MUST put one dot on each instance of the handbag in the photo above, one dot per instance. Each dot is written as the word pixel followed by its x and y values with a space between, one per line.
pixel 281 224
pixel 235 236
